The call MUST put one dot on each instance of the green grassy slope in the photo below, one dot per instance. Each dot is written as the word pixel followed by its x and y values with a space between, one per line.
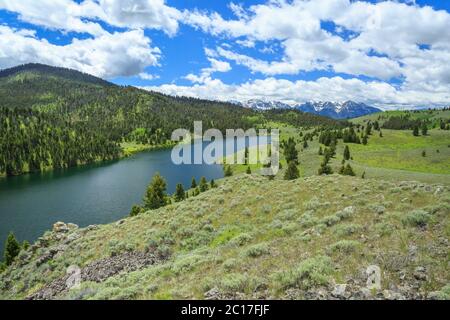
pixel 396 156
pixel 430 115
pixel 255 238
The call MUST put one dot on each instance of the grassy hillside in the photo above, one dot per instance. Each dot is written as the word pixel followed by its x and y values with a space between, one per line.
pixel 397 156
pixel 432 116
pixel 255 238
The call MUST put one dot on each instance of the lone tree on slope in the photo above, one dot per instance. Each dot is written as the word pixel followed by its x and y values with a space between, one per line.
pixel 156 196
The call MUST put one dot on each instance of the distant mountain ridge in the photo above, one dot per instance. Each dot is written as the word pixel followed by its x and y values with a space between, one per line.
pixel 260 104
pixel 337 110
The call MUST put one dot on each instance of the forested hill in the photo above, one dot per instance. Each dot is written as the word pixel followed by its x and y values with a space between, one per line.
pixel 48 71
pixel 56 118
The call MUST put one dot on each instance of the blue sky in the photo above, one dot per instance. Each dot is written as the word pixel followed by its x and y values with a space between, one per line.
pixel 392 54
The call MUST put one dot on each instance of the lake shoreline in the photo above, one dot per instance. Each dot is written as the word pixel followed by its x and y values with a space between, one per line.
pixel 126 153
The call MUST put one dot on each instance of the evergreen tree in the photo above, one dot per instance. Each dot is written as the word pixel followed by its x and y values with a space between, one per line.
pixel 364 140
pixel 203 185
pixel 135 210
pixel 156 196
pixel 376 126
pixel 228 172
pixel 249 170
pixel 180 195
pixel 193 184
pixel 333 148
pixel 424 129
pixel 320 151
pixel 348 171
pixel 347 153
pixel 25 245
pixel 246 155
pixel 292 172
pixel 325 169
pixel 290 151
pixel 213 184
pixel 369 129
pixel 12 249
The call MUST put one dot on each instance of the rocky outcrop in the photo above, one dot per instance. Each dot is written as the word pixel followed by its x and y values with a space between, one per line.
pixel 98 271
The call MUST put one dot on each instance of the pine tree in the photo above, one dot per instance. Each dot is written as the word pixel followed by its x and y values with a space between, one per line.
pixel 213 184
pixel 25 245
pixel 292 172
pixel 364 140
pixel 348 171
pixel 376 125
pixel 228 172
pixel 249 170
pixel 325 168
pixel 347 153
pixel 416 131
pixel 12 249
pixel 369 129
pixel 203 185
pixel 246 155
pixel 179 195
pixel 135 210
pixel 193 184
pixel 424 129
pixel 290 151
pixel 156 196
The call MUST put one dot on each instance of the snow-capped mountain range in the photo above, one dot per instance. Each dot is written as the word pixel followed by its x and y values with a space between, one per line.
pixel 335 110
pixel 259 104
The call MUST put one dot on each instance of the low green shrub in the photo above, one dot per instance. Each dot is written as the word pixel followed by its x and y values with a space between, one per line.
pixel 309 273
pixel 417 218
pixel 345 230
pixel 257 250
pixel 345 246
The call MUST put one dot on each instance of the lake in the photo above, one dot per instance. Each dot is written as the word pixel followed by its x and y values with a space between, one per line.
pixel 94 194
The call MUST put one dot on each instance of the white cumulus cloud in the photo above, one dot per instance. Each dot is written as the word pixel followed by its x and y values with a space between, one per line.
pixel 107 56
